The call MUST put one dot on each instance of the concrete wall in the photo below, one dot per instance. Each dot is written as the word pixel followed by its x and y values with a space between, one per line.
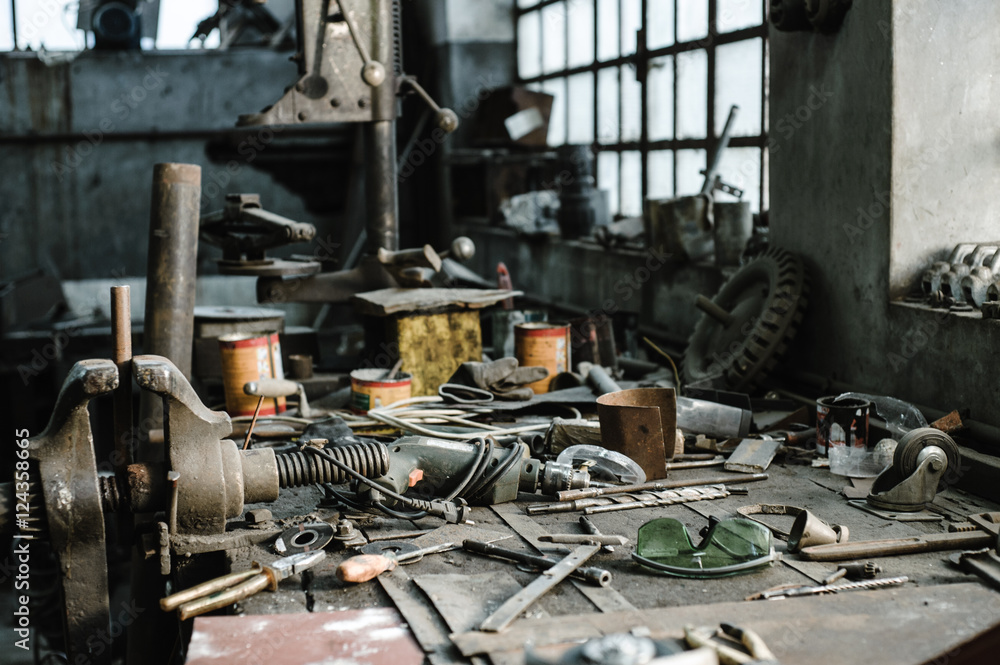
pixel 883 156
pixel 78 140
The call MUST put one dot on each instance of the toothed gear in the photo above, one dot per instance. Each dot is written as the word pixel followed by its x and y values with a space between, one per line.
pixel 767 300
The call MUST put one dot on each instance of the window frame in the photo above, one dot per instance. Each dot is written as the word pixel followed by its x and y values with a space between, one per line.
pixel 640 59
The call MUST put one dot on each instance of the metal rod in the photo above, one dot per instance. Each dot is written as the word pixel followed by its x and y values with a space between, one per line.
pixel 380 186
pixel 168 328
pixel 13 20
pixel 720 315
pixel 121 343
pixel 572 495
pixel 597 576
pixel 720 147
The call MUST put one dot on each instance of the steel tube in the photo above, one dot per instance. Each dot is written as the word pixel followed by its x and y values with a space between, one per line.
pixel 172 267
pixel 121 343
pixel 380 186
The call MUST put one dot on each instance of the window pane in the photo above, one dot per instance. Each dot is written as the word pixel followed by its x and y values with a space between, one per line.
pixel 692 94
pixel 692 20
pixel 527 3
pixel 6 30
pixel 51 24
pixel 737 14
pixel 660 183
pixel 557 122
pixel 607 177
pixel 660 98
pixel 740 167
pixel 765 176
pixel 554 38
pixel 631 183
pixel 690 164
pixel 631 105
pixel 581 32
pixel 631 22
pixel 607 105
pixel 737 81
pixel 581 108
pixel 660 23
pixel 529 43
pixel 607 29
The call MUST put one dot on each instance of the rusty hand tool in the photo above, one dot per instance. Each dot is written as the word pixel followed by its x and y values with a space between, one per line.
pixel 981 531
pixel 590 574
pixel 549 578
pixel 369 566
pixel 228 589
pixel 758 653
pixel 863 570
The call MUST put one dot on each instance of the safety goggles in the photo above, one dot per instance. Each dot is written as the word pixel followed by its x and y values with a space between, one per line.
pixel 729 547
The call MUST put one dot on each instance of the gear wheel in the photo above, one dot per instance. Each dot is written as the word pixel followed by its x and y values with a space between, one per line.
pixel 748 325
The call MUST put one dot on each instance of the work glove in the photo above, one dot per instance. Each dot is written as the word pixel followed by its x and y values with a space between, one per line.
pixel 500 379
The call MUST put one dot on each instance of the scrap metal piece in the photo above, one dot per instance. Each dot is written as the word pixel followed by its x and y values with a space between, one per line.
pixel 523 599
pixel 64 457
pixel 596 576
pixel 589 527
pixel 985 563
pixel 656 485
pixel 639 423
pixel 752 456
pixel 779 594
pixel 584 539
pixel 766 297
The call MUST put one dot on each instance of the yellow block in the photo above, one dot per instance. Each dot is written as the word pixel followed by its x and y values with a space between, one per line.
pixel 433 346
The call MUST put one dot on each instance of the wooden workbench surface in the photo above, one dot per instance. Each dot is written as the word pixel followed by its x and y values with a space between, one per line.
pixel 939 608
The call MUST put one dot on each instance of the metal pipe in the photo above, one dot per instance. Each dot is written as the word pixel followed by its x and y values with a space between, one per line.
pixel 380 186
pixel 121 343
pixel 168 328
pixel 13 20
pixel 172 267
pixel 380 139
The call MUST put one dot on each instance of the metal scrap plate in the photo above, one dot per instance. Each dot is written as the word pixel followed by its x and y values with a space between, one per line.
pixel 374 636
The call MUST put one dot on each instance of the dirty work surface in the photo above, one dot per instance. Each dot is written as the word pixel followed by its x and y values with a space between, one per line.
pixel 948 623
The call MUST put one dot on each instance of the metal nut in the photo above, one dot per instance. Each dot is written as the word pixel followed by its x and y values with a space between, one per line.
pixel 258 516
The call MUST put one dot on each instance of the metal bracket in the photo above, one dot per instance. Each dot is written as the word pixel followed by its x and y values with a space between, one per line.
pixel 64 455
pixel 914 492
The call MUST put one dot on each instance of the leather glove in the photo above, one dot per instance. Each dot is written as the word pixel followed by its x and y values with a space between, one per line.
pixel 503 378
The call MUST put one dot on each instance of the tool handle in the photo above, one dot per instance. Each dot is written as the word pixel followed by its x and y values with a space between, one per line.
pixel 591 574
pixel 363 568
pixel 173 601
pixel 244 590
pixel 271 388
pixel 891 547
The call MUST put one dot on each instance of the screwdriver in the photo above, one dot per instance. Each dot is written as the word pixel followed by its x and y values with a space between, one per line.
pixel 366 567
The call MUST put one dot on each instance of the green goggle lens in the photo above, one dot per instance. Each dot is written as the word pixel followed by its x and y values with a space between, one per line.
pixel 730 547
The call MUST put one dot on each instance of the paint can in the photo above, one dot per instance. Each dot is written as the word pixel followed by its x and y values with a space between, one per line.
pixel 369 389
pixel 543 345
pixel 245 358
pixel 504 322
pixel 841 422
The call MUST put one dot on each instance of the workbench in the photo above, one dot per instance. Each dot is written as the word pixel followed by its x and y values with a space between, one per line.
pixel 934 613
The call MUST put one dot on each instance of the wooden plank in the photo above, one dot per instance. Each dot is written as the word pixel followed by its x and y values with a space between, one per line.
pixel 397 301
pixel 900 626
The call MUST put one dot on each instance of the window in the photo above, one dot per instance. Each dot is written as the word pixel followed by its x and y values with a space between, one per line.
pixel 649 84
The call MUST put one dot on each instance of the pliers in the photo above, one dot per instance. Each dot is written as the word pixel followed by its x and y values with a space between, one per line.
pixel 758 654
pixel 228 589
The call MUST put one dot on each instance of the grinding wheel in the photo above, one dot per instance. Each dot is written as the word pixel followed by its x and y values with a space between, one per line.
pixel 906 458
pixel 748 325
pixel 304 538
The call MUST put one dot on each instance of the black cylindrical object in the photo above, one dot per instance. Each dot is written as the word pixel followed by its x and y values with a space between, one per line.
pixel 168 329
pixel 380 138
pixel 370 459
pixel 591 574
pixel 582 207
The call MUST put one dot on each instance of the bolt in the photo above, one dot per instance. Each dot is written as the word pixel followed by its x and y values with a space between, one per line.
pixel 302 116
pixel 362 103
pixel 258 516
pixel 345 529
pixel 335 103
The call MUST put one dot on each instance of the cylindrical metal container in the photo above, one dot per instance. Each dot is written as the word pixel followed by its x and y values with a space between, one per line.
pixel 841 422
pixel 543 345
pixel 247 358
pixel 370 389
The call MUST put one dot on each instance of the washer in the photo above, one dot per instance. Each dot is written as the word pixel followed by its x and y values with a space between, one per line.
pixel 304 538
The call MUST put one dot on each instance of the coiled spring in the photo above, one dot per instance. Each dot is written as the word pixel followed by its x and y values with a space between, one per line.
pixel 369 458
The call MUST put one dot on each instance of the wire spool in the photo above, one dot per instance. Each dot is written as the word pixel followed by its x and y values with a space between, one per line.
pixel 907 457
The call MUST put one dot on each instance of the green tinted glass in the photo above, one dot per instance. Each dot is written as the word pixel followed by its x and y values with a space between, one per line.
pixel 730 547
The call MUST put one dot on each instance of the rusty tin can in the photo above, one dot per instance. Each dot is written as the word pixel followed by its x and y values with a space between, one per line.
pixel 841 422
pixel 543 345
pixel 369 389
pixel 246 358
